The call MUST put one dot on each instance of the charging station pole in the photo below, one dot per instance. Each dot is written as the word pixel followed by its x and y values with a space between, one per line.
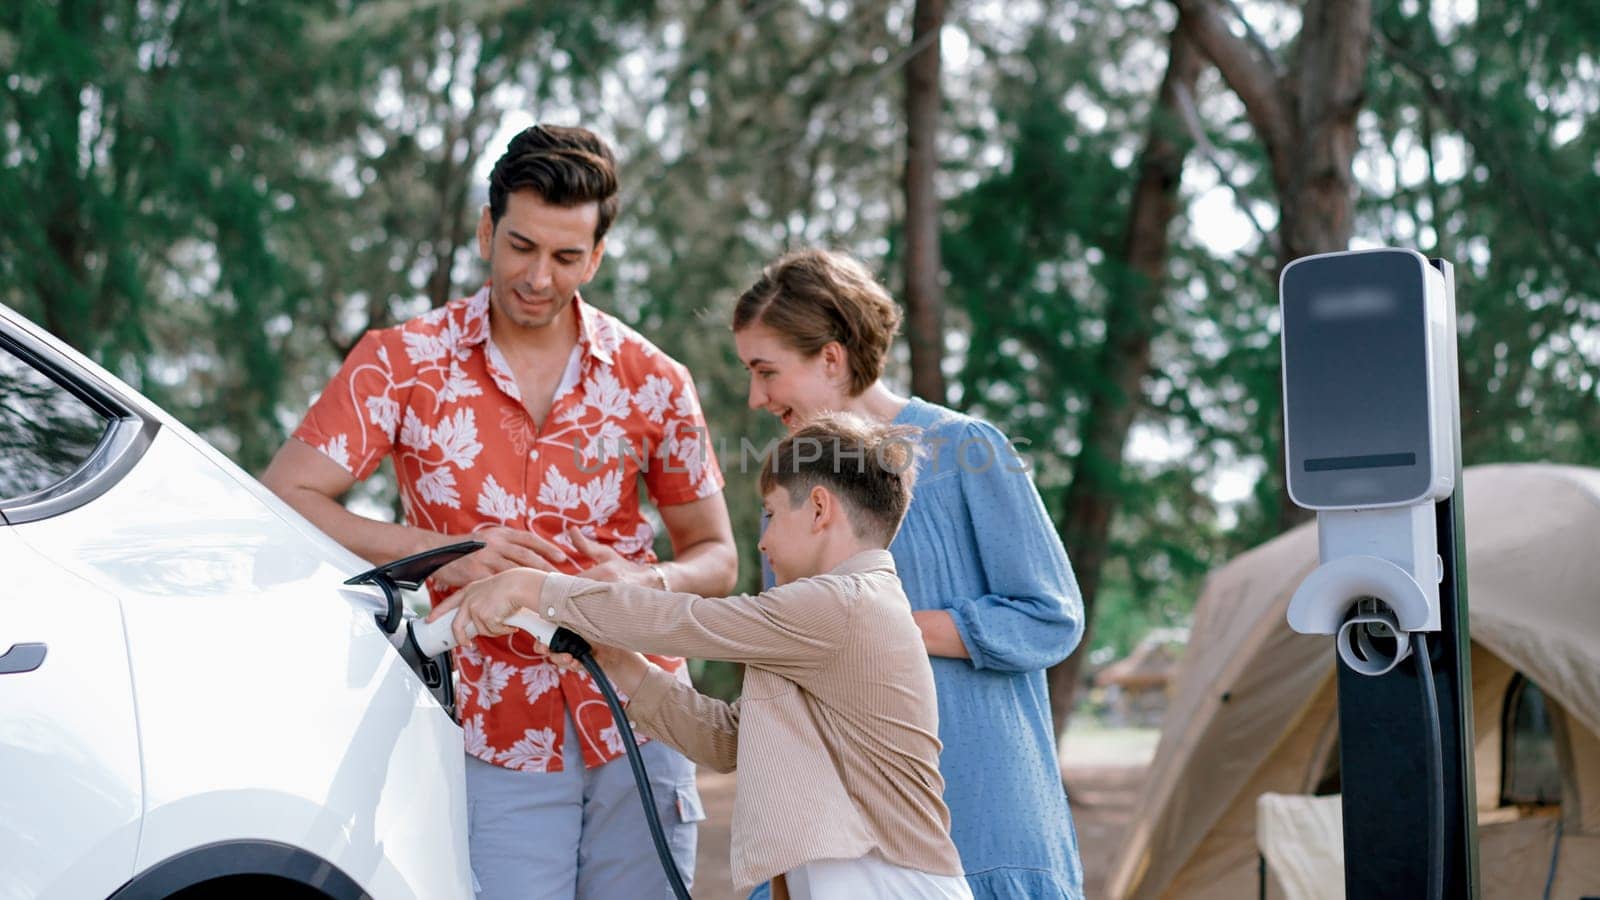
pixel 1384 782
pixel 1361 331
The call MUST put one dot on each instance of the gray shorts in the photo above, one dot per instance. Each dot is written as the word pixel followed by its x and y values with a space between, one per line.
pixel 579 834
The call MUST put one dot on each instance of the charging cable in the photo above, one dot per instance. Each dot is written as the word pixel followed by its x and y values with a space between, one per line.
pixel 1430 702
pixel 1363 654
pixel 436 637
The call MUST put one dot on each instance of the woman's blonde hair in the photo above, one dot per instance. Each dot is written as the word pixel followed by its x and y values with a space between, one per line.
pixel 814 297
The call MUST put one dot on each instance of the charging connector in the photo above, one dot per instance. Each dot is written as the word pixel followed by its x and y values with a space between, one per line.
pixel 1371 640
pixel 437 636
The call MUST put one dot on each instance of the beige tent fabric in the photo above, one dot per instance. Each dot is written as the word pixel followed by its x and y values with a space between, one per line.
pixel 1241 680
pixel 1535 597
pixel 1514 857
pixel 1491 675
pixel 1579 750
pixel 1253 707
pixel 1579 875
pixel 1302 838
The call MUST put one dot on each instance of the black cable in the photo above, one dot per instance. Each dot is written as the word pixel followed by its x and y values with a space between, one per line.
pixel 565 641
pixel 1430 702
pixel 1555 860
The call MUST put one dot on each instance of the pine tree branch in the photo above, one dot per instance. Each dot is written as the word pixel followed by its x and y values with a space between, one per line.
pixel 1250 74
pixel 1190 116
pixel 1254 37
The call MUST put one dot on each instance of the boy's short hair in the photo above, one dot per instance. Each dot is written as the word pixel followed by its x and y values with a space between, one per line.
pixel 870 467
pixel 565 166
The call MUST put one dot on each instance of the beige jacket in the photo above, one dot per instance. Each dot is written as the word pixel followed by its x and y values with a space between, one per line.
pixel 836 734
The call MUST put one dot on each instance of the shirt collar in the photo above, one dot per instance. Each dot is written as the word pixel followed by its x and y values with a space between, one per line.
pixel 865 561
pixel 473 328
pixel 597 334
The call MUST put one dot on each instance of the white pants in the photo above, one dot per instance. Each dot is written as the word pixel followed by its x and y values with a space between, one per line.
pixel 871 876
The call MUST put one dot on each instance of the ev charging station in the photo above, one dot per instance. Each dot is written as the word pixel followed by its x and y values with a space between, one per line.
pixel 1372 445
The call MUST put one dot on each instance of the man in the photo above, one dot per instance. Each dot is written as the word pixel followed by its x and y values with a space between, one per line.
pixel 523 417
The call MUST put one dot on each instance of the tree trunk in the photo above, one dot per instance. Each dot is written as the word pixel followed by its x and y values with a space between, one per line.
pixel 1306 120
pixel 924 290
pixel 63 291
pixel 1095 492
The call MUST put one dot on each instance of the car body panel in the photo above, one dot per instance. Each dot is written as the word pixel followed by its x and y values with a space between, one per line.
pixel 269 704
pixel 70 796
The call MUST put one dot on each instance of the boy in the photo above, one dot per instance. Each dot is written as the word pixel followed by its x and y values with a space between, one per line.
pixel 835 736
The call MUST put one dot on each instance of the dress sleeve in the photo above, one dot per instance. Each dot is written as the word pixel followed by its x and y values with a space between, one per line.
pixel 1032 616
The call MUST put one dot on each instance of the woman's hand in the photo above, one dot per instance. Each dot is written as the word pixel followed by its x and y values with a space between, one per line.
pixel 939 633
pixel 484 605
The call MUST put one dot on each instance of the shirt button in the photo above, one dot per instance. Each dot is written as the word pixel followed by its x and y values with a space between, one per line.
pixel 533 455
pixel 550 612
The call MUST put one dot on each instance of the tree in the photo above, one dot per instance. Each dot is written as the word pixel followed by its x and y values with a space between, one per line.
pixel 1063 259
pixel 1138 282
pixel 221 242
pixel 924 291
pixel 1304 115
pixel 1507 190
pixel 150 196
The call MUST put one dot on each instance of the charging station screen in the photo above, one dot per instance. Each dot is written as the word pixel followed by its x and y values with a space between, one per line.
pixel 1356 379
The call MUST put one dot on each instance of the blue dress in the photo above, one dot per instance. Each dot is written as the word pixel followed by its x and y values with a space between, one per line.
pixel 978 543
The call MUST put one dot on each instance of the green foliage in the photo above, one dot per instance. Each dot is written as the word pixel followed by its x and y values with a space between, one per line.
pixel 215 198
pixel 1509 194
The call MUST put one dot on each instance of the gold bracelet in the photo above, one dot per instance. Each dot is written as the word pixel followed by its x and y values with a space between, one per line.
pixel 661 576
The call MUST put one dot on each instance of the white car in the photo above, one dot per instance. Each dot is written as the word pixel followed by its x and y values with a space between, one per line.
pixel 191 699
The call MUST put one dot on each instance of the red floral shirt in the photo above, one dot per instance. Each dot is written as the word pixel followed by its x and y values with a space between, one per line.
pixel 436 394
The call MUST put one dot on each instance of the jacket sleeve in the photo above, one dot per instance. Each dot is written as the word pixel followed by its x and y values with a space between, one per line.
pixel 790 630
pixel 702 728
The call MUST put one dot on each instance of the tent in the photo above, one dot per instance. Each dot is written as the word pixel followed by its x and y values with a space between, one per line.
pixel 1254 711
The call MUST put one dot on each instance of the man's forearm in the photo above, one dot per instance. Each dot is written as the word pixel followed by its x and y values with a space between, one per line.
pixel 374 541
pixel 708 568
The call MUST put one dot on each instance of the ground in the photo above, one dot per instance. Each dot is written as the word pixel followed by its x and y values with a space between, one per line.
pixel 1103 770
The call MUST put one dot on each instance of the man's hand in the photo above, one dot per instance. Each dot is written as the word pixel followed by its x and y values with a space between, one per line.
pixel 608 564
pixel 505 548
pixel 485 605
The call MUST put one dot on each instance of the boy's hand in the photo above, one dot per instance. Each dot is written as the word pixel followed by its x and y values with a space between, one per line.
pixel 484 605
pixel 625 668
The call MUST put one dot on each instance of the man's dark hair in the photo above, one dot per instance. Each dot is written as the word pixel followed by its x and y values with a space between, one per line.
pixel 564 166
pixel 871 468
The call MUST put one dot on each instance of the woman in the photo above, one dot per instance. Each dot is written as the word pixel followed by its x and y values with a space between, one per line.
pixel 988 579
